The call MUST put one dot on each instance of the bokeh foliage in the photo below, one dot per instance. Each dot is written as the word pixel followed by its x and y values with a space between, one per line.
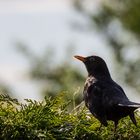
pixel 54 77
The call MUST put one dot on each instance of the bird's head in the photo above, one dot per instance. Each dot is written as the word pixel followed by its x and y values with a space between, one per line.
pixel 95 65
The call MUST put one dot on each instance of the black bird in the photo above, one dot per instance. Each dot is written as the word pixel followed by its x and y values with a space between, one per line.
pixel 105 99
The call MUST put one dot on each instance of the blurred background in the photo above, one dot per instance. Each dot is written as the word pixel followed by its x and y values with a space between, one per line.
pixel 38 39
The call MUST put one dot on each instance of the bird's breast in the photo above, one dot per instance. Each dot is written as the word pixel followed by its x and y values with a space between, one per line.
pixel 87 93
pixel 89 81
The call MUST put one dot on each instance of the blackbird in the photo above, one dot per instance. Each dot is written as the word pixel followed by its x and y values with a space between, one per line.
pixel 104 98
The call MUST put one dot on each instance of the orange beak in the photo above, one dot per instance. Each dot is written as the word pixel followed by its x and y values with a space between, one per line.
pixel 81 58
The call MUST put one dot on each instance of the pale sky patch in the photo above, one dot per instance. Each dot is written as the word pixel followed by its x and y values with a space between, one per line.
pixel 33 6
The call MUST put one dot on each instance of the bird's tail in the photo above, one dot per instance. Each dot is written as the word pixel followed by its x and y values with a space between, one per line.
pixel 129 104
pixel 130 107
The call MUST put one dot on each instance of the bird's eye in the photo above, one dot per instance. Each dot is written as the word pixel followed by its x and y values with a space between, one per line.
pixel 92 59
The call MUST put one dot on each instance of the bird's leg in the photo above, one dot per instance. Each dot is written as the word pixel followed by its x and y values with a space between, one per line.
pixel 115 123
pixel 103 123
pixel 132 117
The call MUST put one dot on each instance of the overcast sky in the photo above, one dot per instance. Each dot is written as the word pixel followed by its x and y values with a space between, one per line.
pixel 41 23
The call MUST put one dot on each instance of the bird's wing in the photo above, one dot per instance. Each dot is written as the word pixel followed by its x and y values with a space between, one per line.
pixel 114 95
